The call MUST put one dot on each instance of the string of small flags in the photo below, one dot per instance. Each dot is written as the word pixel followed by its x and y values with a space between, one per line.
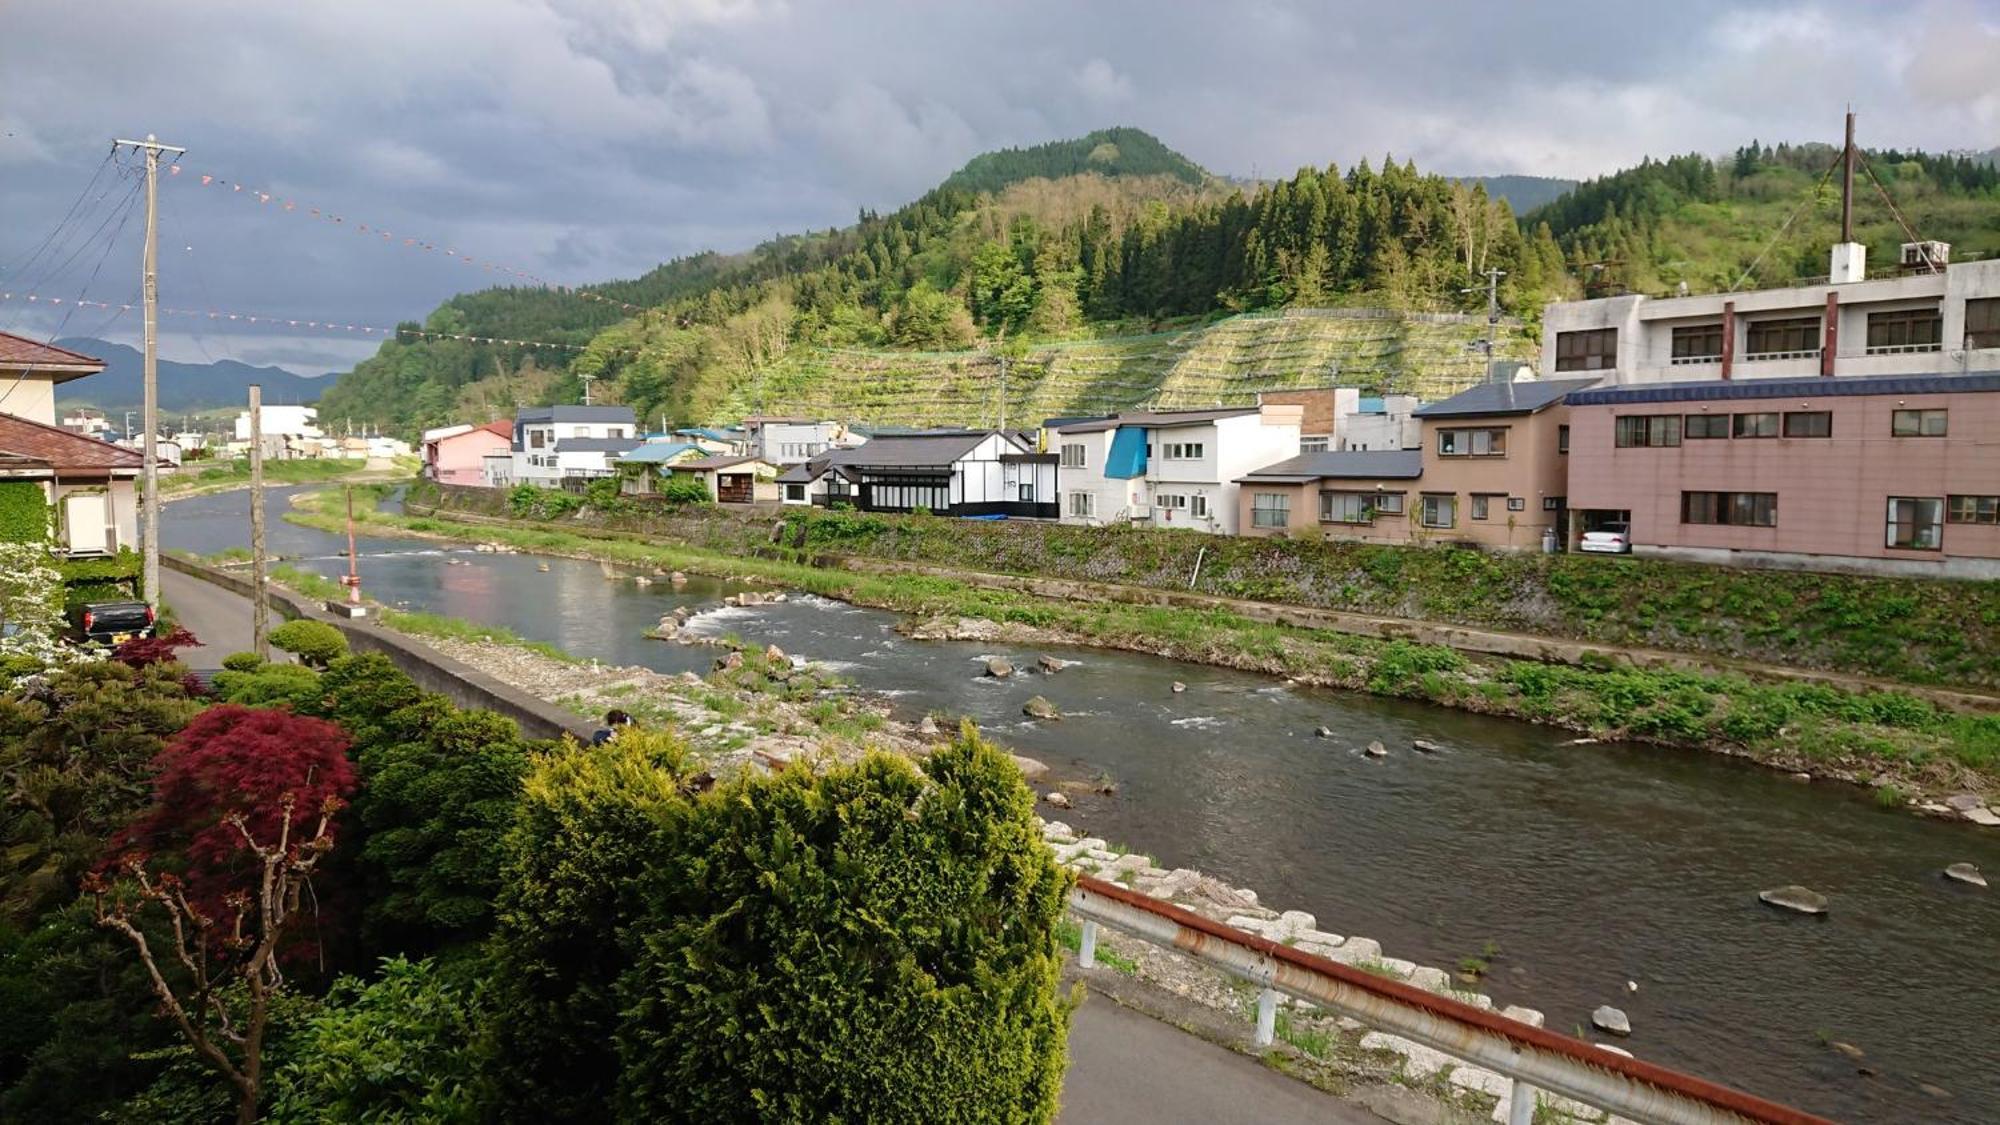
pixel 261 198
pixel 293 322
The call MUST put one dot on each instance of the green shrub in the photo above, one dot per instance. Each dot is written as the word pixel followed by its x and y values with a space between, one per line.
pixel 532 502
pixel 242 662
pixel 271 685
pixel 314 642
pixel 683 489
pixel 24 512
pixel 397 1048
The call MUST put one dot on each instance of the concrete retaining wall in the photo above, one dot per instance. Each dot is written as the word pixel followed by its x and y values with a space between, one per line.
pixel 432 670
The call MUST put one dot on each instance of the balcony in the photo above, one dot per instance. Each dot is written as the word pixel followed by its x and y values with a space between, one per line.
pixel 1762 357
pixel 1903 349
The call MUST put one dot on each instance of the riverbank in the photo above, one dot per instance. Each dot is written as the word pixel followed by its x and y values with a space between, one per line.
pixel 195 480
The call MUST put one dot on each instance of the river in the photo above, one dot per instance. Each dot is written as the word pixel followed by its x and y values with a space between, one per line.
pixel 1587 866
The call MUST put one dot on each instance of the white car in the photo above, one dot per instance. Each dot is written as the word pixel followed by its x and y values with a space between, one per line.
pixel 1610 539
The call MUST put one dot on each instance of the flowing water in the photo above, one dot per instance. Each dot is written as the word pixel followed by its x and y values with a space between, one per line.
pixel 1587 866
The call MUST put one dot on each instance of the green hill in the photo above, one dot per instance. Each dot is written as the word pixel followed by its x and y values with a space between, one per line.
pixel 1106 152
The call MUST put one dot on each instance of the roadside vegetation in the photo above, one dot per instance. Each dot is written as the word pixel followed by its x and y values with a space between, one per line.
pixel 220 476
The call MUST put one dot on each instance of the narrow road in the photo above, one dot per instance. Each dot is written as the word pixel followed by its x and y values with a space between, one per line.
pixel 218 618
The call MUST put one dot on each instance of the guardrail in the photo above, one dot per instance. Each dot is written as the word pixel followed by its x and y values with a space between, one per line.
pixel 1535 1059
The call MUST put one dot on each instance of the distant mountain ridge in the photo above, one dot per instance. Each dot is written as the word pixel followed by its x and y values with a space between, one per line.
pixel 183 386
pixel 1522 193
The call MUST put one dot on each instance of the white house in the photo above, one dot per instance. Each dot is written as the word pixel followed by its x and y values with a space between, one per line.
pixel 793 441
pixel 947 472
pixel 88 484
pixel 281 421
pixel 1170 468
pixel 1380 423
pixel 552 443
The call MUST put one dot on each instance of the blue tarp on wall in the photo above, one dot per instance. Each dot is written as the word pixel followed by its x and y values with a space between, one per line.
pixel 1128 454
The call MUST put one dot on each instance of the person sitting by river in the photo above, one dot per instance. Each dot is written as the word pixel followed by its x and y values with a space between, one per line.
pixel 613 720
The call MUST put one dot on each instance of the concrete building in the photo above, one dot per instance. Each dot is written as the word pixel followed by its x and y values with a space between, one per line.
pixel 555 443
pixel 1883 474
pixel 457 454
pixel 1170 468
pixel 1338 418
pixel 281 422
pixel 947 472
pixel 793 441
pixel 1336 495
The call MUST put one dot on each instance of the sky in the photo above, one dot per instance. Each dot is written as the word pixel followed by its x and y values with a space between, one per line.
pixel 583 140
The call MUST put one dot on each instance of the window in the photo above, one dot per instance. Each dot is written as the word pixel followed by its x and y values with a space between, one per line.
pixel 1313 444
pixel 1347 507
pixel 1705 426
pixel 1917 423
pixel 1744 509
pixel 1790 337
pixel 1562 439
pixel 1553 503
pixel 1982 322
pixel 1027 492
pixel 1479 502
pixel 1198 507
pixel 1183 451
pixel 1389 503
pixel 1973 509
pixel 537 439
pixel 795 492
pixel 1756 425
pixel 1698 343
pixel 615 432
pixel 1072 456
pixel 1592 350
pixel 1914 523
pixel 1080 504
pixel 1271 509
pixel 1517 504
pixel 1808 423
pixel 1170 502
pixel 1440 511
pixel 1648 429
pixel 1472 443
pixel 1905 330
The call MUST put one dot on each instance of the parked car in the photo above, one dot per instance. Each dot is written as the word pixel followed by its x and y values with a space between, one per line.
pixel 110 623
pixel 1608 539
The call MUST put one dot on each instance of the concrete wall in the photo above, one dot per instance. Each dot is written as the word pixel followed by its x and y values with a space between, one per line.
pixel 28 396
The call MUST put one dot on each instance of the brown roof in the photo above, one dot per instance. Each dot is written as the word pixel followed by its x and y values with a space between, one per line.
pixel 503 427
pixel 714 464
pixel 64 452
pixel 18 352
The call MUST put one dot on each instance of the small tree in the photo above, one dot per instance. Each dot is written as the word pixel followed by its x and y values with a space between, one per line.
pixel 315 643
pixel 31 608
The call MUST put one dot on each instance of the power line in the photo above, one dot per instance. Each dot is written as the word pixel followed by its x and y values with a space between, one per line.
pixel 67 216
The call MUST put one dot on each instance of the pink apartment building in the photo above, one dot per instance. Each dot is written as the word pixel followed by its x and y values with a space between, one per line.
pixel 457 454
pixel 1881 474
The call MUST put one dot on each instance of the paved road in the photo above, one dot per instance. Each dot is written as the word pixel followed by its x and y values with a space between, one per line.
pixel 1127 1067
pixel 219 618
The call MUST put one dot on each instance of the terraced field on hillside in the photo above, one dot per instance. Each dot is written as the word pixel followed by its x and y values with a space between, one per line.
pixel 1225 362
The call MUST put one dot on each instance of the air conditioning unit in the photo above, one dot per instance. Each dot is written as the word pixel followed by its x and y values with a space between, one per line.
pixel 1927 255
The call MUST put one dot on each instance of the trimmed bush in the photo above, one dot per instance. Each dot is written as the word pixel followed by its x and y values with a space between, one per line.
pixel 242 662
pixel 314 642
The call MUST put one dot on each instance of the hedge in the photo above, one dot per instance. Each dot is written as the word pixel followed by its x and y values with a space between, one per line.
pixel 24 512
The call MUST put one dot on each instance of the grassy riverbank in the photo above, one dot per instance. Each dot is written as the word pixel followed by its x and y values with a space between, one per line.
pixel 199 477
pixel 1907 748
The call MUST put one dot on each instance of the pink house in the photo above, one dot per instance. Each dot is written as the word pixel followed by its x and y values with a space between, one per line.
pixel 456 454
pixel 1880 474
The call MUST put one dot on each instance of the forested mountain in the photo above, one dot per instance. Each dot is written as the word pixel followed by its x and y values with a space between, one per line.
pixel 1107 152
pixel 184 387
pixel 1522 193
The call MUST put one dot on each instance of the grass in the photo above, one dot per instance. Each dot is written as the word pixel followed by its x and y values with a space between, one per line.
pixel 306 582
pixel 276 474
pixel 1070 933
pixel 455 629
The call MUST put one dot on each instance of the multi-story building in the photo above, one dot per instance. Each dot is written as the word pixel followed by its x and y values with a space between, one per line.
pixel 554 443
pixel 88 484
pixel 792 441
pixel 1170 468
pixel 457 454
pixel 1338 418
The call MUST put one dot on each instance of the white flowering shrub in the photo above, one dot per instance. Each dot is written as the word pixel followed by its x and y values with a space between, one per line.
pixel 31 606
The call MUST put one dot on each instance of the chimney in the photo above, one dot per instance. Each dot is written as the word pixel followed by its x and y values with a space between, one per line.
pixel 1850 258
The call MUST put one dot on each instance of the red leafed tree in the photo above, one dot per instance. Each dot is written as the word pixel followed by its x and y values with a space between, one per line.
pixel 141 651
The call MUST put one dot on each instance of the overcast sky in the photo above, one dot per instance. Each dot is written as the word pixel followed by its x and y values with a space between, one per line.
pixel 582 140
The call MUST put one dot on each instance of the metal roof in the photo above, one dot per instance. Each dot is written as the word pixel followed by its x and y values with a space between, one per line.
pixel 657 452
pixel 1352 464
pixel 1157 419
pixel 1718 390
pixel 1504 398
pixel 898 451
pixel 596 445
pixel 576 414
pixel 715 464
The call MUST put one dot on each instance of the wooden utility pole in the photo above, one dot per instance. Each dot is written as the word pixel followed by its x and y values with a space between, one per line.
pixel 149 535
pixel 1847 183
pixel 260 608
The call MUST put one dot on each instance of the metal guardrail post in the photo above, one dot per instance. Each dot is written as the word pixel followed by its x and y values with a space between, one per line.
pixel 1267 1017
pixel 1086 954
pixel 1521 1104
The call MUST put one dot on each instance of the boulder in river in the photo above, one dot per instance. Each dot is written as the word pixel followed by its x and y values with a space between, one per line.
pixel 928 727
pixel 1611 1020
pixel 1057 799
pixel 1050 663
pixel 730 601
pixel 1179 687
pixel 1039 707
pixel 667 630
pixel 1848 1049
pixel 1322 732
pixel 1030 768
pixel 1377 750
pixel 543 567
pixel 999 667
pixel 1794 897
pixel 1963 802
pixel 776 655
pixel 1425 746
pixel 677 578
pixel 1965 873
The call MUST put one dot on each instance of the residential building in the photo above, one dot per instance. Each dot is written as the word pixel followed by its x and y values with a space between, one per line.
pixel 641 470
pixel 1495 466
pixel 552 444
pixel 87 483
pixel 1377 423
pixel 710 441
pixel 277 421
pixel 29 372
pixel 457 454
pixel 1928 316
pixel 733 480
pixel 947 472
pixel 793 441
pixel 89 423
pixel 1880 474
pixel 1344 494
pixel 1170 468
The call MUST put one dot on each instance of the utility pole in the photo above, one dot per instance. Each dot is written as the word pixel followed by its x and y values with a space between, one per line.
pixel 260 608
pixel 149 535
pixel 1002 349
pixel 1492 288
pixel 1847 183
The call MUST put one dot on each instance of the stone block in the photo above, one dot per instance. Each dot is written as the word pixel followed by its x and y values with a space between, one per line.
pixel 1430 978
pixel 1482 1080
pixel 1399 966
pixel 1529 1016
pixel 1357 949
pixel 1297 922
pixel 1419 1061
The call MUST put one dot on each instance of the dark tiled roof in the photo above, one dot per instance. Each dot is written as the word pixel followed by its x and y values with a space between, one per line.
pixel 1719 390
pixel 597 445
pixel 63 451
pixel 1353 464
pixel 1504 398
pixel 577 414
pixel 62 365
pixel 805 473
pixel 899 451
pixel 1157 418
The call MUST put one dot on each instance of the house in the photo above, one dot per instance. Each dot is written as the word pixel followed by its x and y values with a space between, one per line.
pixel 1495 465
pixel 1342 494
pixel 29 372
pixel 87 484
pixel 948 472
pixel 641 469
pixel 457 454
pixel 1170 468
pixel 733 480
pixel 1379 422
pixel 1895 474
pixel 792 441
pixel 281 422
pixel 89 423
pixel 552 444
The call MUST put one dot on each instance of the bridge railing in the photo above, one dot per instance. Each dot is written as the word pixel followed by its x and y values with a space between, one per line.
pixel 1533 1058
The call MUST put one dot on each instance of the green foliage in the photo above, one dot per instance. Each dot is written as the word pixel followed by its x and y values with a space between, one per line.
pixel 270 685
pixel 398 1048
pixel 314 642
pixel 532 502
pixel 1107 152
pixel 679 489
pixel 242 662
pixel 602 494
pixel 24 512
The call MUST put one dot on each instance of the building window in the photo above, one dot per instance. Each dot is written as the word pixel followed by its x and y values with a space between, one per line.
pixel 615 432
pixel 1698 343
pixel 1198 507
pixel 1648 430
pixel 1553 503
pixel 1479 503
pixel 1905 330
pixel 1743 509
pixel 1917 423
pixel 1080 504
pixel 1347 507
pixel 1182 451
pixel 1169 502
pixel 1755 425
pixel 1808 423
pixel 1389 503
pixel 1517 504
pixel 1982 322
pixel 1072 456
pixel 1705 426
pixel 795 492
pixel 1789 338
pixel 1916 523
pixel 1593 350
pixel 1313 444
pixel 1562 439
pixel 1440 511
pixel 1472 443
pixel 1271 509
pixel 1973 509
pixel 537 439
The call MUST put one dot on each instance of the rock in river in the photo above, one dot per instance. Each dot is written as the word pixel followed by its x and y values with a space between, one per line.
pixel 1052 663
pixel 1425 746
pixel 1039 707
pixel 999 667
pixel 1377 750
pixel 1612 1020
pixel 1795 897
pixel 1057 799
pixel 1322 732
pixel 1965 873
pixel 1179 687
pixel 1030 768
